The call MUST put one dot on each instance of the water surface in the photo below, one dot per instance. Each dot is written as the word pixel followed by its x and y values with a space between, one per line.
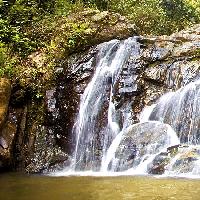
pixel 29 187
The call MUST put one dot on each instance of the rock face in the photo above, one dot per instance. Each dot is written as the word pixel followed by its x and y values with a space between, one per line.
pixel 43 121
pixel 42 127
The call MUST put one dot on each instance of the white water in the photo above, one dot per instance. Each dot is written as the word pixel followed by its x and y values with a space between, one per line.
pixel 145 114
pixel 110 152
pixel 152 149
pixel 181 110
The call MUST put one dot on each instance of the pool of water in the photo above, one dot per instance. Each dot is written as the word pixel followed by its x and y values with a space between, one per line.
pixel 29 187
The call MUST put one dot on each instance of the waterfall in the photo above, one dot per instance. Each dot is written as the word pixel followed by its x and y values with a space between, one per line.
pixel 181 110
pixel 97 121
pixel 165 141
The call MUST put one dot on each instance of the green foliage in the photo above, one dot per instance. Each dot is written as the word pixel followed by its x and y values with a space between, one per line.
pixel 100 4
pixel 6 63
pixel 72 37
pixel 158 16
pixel 77 33
pixel 17 40
pixel 179 14
pixel 51 26
pixel 12 23
pixel 65 7
pixel 18 17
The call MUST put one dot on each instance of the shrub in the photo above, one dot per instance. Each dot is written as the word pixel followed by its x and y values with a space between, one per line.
pixel 158 16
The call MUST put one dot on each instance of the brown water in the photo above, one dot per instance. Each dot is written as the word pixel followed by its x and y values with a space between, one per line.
pixel 21 187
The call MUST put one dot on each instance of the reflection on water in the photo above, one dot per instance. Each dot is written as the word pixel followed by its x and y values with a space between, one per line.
pixel 21 187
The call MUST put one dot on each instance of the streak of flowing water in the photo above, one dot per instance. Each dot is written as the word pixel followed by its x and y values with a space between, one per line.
pixel 181 110
pixel 157 138
pixel 97 123
pixel 144 116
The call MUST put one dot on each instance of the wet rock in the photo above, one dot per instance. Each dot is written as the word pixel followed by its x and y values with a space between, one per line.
pixel 177 160
pixel 156 73
pixel 172 150
pixel 139 142
pixel 46 156
pixel 63 100
pixel 3 143
pixel 157 49
pixel 190 34
pixel 35 147
pixel 181 73
pixel 162 160
pixel 157 166
pixel 173 74
pixel 187 158
pixel 187 49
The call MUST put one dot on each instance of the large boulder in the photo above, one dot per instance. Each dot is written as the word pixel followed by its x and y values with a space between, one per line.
pixel 140 142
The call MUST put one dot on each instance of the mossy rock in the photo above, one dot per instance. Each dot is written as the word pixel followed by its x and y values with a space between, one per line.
pixel 5 91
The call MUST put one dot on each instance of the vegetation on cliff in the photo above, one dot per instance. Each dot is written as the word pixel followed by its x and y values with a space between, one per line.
pixel 55 28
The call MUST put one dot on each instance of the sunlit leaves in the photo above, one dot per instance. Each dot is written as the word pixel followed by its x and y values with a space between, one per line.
pixel 158 16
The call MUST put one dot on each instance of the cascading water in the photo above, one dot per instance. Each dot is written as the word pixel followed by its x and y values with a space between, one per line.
pixel 165 141
pixel 97 122
pixel 142 148
pixel 181 110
